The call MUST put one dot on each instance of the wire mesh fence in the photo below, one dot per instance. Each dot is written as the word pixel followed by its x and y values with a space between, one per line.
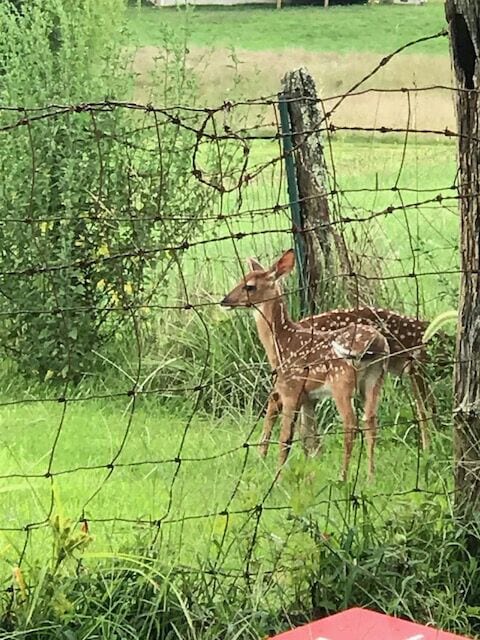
pixel 123 227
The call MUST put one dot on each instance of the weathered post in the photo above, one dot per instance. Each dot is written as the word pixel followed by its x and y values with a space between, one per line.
pixel 463 18
pixel 308 191
pixel 312 185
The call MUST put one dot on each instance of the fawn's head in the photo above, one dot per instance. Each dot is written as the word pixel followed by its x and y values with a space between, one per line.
pixel 259 284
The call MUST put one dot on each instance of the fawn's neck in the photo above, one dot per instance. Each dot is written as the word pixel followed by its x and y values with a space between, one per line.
pixel 273 324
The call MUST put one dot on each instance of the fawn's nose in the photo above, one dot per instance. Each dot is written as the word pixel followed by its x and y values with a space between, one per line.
pixel 225 302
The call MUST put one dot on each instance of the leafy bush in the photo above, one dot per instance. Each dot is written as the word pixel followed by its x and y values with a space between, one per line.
pixel 91 196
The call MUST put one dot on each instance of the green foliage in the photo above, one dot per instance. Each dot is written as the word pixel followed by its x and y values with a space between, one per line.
pixel 69 541
pixel 16 3
pixel 132 596
pixel 87 198
pixel 418 566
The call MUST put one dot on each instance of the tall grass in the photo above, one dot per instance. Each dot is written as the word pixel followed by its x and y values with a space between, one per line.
pixel 415 565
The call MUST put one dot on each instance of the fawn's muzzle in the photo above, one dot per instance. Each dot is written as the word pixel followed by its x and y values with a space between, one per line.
pixel 225 302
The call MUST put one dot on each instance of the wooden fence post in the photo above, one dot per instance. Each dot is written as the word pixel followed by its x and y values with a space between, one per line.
pixel 312 185
pixel 463 18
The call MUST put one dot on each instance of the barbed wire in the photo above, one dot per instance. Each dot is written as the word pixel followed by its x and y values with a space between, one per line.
pixel 118 238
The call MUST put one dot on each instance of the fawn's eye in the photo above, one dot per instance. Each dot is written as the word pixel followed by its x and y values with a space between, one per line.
pixel 250 287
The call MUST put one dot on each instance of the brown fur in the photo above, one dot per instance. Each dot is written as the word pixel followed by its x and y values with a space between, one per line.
pixel 307 361
pixel 405 340
pixel 407 350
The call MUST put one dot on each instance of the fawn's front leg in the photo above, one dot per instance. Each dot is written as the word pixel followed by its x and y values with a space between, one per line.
pixel 291 401
pixel 373 390
pixel 273 409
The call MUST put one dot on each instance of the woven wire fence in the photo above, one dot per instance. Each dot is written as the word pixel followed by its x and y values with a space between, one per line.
pixel 139 420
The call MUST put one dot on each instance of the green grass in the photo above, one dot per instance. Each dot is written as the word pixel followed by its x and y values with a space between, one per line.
pixel 198 478
pixel 145 477
pixel 420 240
pixel 340 29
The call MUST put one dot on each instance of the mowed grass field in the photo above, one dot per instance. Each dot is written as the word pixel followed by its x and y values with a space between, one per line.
pixel 244 52
pixel 186 474
pixel 183 467
pixel 340 29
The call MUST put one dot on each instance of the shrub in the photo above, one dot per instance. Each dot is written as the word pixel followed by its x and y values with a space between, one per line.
pixel 91 197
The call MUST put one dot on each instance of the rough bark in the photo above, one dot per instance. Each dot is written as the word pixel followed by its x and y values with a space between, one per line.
pixel 299 89
pixel 463 18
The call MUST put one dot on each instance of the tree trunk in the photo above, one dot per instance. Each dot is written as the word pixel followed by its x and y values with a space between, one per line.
pixel 463 18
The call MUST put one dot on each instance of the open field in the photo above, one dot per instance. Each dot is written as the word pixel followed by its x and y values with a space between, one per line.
pixel 222 75
pixel 339 30
pixel 244 53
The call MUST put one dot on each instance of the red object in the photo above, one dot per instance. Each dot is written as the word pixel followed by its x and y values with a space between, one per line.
pixel 362 624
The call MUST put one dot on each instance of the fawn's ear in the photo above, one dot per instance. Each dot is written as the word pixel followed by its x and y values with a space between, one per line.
pixel 254 265
pixel 285 264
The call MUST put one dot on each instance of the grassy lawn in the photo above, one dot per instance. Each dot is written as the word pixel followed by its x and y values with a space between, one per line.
pixel 340 29
pixel 216 473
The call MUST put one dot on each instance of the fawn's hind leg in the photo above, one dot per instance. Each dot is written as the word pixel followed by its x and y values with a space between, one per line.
pixel 289 415
pixel 343 397
pixel 422 397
